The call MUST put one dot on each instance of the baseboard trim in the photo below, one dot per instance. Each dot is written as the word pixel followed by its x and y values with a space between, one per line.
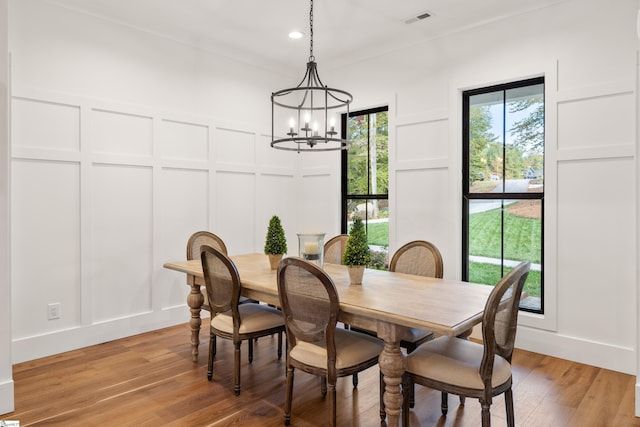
pixel 7 403
pixel 602 355
pixel 35 347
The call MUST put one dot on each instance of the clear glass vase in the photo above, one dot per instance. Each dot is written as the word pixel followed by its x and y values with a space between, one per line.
pixel 311 247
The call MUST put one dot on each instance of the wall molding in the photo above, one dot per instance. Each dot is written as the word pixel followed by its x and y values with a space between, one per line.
pixel 603 355
pixel 55 342
pixel 7 403
pixel 155 154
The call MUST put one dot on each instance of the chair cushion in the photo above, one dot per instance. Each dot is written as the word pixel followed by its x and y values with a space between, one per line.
pixel 352 348
pixel 254 318
pixel 455 361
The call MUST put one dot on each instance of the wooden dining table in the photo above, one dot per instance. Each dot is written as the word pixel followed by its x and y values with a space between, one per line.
pixel 386 302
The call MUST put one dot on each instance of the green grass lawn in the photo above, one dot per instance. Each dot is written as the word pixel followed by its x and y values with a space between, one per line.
pixel 490 274
pixel 522 242
pixel 378 233
pixel 522 236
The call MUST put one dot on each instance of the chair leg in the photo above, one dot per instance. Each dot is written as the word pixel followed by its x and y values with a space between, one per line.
pixel 323 386
pixel 250 351
pixel 354 380
pixel 383 413
pixel 332 403
pixel 236 368
pixel 412 396
pixel 279 345
pixel 406 385
pixel 508 400
pixel 288 396
pixel 412 400
pixel 214 344
pixel 212 352
pixel 444 406
pixel 486 414
pixel 286 355
pixel 465 336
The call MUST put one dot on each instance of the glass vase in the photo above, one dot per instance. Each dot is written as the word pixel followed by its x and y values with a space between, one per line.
pixel 311 247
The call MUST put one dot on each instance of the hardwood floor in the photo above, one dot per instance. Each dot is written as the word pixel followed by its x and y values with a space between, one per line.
pixel 149 380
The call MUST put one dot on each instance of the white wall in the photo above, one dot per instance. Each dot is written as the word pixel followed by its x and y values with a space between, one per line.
pixel 587 52
pixel 6 372
pixel 637 389
pixel 131 128
pixel 124 144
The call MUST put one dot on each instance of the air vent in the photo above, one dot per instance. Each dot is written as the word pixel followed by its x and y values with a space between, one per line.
pixel 419 17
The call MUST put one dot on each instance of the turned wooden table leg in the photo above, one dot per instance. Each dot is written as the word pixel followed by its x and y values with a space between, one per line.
pixel 195 299
pixel 392 366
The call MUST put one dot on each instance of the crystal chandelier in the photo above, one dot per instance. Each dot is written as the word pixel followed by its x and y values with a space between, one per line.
pixel 311 108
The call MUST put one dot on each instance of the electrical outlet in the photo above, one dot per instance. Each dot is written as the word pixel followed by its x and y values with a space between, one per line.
pixel 53 310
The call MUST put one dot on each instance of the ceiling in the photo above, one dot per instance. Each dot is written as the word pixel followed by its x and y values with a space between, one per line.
pixel 345 31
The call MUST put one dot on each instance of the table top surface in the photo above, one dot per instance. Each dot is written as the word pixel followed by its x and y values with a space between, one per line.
pixel 444 306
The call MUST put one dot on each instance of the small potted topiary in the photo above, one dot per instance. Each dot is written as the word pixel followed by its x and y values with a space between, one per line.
pixel 356 255
pixel 275 244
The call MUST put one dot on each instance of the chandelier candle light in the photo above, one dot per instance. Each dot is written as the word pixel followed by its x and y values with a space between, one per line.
pixel 311 107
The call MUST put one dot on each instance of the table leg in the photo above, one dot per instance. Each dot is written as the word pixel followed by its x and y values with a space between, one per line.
pixel 195 299
pixel 392 366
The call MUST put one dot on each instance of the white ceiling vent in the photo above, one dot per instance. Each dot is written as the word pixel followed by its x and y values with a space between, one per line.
pixel 419 17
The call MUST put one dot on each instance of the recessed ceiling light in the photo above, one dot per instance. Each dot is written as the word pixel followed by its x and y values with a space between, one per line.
pixel 295 35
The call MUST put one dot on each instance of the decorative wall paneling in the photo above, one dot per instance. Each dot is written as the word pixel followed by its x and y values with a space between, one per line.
pixel 590 198
pixel 104 194
pixel 590 190
pixel 420 180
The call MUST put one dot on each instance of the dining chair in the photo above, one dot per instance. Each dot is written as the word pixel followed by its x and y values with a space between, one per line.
pixel 334 248
pixel 311 308
pixel 198 239
pixel 420 258
pixel 229 319
pixel 466 368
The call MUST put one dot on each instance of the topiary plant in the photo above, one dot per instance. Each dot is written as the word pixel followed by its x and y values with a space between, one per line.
pixel 276 242
pixel 357 251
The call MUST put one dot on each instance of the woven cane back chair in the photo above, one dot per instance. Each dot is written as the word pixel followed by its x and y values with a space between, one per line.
pixel 334 248
pixel 229 319
pixel 470 369
pixel 421 258
pixel 198 239
pixel 311 308
pixel 418 257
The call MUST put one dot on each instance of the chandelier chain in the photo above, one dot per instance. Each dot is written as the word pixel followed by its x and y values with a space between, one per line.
pixel 311 57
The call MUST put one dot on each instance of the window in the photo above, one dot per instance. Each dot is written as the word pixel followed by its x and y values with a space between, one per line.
pixel 503 184
pixel 365 178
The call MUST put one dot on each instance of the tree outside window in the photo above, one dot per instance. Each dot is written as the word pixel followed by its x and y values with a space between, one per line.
pixel 365 178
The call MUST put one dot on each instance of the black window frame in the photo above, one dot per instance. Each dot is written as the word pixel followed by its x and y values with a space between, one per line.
pixel 467 196
pixel 345 197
